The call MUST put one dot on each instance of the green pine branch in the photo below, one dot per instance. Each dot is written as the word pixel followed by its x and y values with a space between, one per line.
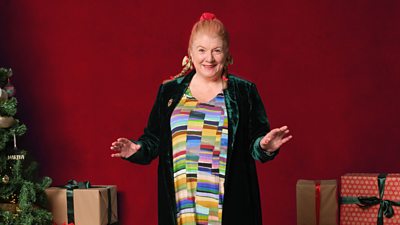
pixel 7 135
pixel 23 186
pixel 4 75
pixel 8 107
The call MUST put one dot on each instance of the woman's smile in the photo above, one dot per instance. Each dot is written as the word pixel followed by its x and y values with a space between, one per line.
pixel 208 55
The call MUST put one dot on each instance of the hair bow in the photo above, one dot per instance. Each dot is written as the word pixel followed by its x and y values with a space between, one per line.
pixel 207 16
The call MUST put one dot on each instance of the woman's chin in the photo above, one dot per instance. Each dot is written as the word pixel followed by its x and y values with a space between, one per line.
pixel 208 73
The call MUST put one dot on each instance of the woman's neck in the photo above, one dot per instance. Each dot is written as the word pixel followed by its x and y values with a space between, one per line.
pixel 204 89
pixel 216 80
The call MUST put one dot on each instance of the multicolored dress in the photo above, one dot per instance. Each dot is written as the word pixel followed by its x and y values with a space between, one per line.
pixel 199 141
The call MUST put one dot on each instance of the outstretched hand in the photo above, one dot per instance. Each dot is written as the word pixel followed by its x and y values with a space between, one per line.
pixel 275 139
pixel 124 148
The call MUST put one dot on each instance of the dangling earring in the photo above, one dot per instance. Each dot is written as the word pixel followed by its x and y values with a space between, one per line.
pixel 186 66
pixel 229 60
pixel 187 63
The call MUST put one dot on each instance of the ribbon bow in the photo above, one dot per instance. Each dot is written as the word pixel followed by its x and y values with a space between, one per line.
pixel 73 184
pixel 386 206
pixel 70 186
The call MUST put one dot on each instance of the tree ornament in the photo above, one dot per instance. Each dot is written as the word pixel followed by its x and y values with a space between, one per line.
pixel 6 121
pixel 16 154
pixel 14 199
pixel 10 89
pixel 5 74
pixel 9 73
pixel 5 179
pixel 3 95
pixel 11 199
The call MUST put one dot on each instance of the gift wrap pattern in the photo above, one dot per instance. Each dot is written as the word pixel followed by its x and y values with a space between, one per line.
pixel 365 185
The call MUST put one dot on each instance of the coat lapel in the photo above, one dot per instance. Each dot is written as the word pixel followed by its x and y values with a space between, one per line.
pixel 177 92
pixel 232 108
pixel 231 102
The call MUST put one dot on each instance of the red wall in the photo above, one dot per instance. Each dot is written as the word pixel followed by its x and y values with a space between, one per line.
pixel 87 72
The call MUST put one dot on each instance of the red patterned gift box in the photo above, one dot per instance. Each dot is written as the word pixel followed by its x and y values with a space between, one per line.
pixel 370 199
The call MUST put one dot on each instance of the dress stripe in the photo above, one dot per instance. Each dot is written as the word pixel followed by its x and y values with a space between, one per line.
pixel 199 140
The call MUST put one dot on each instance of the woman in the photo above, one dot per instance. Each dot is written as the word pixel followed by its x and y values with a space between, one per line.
pixel 207 127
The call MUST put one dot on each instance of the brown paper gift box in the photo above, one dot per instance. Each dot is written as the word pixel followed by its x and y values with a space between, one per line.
pixel 90 205
pixel 306 202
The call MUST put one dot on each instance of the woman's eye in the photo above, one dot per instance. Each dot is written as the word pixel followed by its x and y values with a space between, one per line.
pixel 217 50
pixel 201 50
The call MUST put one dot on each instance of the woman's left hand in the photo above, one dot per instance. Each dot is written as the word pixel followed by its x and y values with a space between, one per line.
pixel 275 139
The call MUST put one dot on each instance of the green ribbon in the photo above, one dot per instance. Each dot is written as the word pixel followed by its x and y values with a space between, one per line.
pixel 70 186
pixel 386 206
pixel 109 205
pixel 73 184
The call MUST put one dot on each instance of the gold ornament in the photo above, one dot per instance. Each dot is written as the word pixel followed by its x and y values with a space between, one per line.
pixel 14 199
pixel 170 102
pixel 9 207
pixel 16 157
pixel 6 121
pixel 5 179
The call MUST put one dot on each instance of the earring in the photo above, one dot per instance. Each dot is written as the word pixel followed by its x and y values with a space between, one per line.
pixel 229 60
pixel 187 63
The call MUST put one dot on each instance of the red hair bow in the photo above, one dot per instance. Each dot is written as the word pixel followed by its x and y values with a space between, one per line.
pixel 207 16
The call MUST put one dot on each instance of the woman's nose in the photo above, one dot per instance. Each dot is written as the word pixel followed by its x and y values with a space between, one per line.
pixel 210 57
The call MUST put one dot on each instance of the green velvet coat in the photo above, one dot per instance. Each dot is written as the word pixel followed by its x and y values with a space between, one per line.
pixel 247 124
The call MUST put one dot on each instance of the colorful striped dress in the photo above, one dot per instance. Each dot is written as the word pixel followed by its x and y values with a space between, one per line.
pixel 199 140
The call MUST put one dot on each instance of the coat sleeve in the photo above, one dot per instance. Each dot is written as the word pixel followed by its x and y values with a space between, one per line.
pixel 149 141
pixel 258 126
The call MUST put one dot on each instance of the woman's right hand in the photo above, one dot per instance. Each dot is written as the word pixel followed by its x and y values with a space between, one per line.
pixel 124 148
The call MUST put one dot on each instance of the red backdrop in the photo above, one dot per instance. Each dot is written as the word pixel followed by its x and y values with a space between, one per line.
pixel 87 72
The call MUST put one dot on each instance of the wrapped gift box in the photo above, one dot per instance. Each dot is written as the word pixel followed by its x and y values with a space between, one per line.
pixel 365 196
pixel 317 202
pixel 90 206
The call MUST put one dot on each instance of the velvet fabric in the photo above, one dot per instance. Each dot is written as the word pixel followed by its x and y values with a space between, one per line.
pixel 247 124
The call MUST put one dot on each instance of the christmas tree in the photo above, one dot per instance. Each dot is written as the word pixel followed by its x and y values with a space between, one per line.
pixel 22 197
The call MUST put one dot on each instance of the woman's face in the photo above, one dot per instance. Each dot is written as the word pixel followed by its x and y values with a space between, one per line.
pixel 208 54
